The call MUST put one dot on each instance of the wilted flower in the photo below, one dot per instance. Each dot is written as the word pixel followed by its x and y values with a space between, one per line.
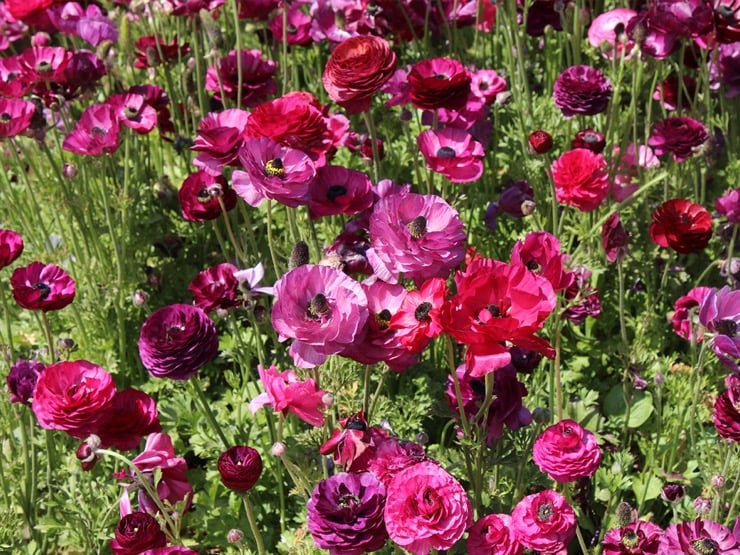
pixel 137 532
pixel 240 467
pixel 22 379
pixel 353 445
pixel 566 452
pixel 11 247
pixel 544 521
pixel 580 179
pixel 681 225
pixel 43 287
pixel 493 534
pixel 679 136
pixel 726 414
pixel 287 394
pixel 452 152
pixel 581 90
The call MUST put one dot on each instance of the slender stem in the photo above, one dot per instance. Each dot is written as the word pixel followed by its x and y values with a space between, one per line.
pixel 253 525
pixel 368 117
pixel 201 396
pixel 237 247
pixel 49 337
pixel 366 391
pixel 8 328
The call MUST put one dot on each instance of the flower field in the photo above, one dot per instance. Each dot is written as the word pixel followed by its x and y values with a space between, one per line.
pixel 370 276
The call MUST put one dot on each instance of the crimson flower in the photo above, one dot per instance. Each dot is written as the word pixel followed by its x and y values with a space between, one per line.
pixel 679 136
pixel 43 287
pixel 152 50
pixel 11 247
pixel 240 468
pixel 566 452
pixel 544 522
pixel 580 179
pixel 133 415
pixel 418 319
pixel 438 83
pixel 136 533
pixel 726 414
pixel 681 225
pixel 199 197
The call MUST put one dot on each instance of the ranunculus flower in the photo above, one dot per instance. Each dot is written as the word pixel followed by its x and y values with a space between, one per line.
pixel 614 238
pixel 637 537
pixel 152 50
pixel 544 521
pixel 133 415
pixel 357 68
pixel 426 509
pixel 720 315
pixel 136 532
pixel 486 85
pixel 418 319
pixel 22 380
pixel 540 252
pixel 603 29
pixel 285 393
pixel 240 467
pixel 322 309
pixel 345 514
pixel 685 317
pixel 540 142
pixel 199 197
pixel 493 534
pixel 682 225
pixel 581 90
pixel 438 83
pixel 679 136
pixel 353 445
pixel 392 455
pixel 15 116
pixel 215 287
pixel 698 536
pixel 566 452
pixel 11 247
pixel 728 205
pixel 73 396
pixel 339 190
pixel 673 94
pixel 176 341
pixel 589 139
pixel 220 136
pixel 43 287
pixel 257 77
pixel 452 152
pixel 95 133
pixel 581 179
pixel 726 414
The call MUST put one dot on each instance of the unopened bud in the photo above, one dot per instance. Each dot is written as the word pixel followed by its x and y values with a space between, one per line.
pixel 235 536
pixel 541 415
pixel 299 255
pixel 69 170
pixel 327 400
pixel 718 481
pixel 278 449
pixel 139 298
pixel 702 506
pixel 625 514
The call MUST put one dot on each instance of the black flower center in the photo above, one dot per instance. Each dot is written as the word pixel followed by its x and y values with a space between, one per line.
pixel 727 327
pixel 348 501
pixel 5 117
pixel 383 318
pixel 45 290
pixel 545 512
pixel 318 307
pixel 130 112
pixel 483 86
pixel 533 266
pixel 441 76
pixel 97 131
pixel 446 152
pixel 494 310
pixel 418 227
pixel 173 331
pixel 356 424
pixel 727 14
pixel 43 67
pixel 275 167
pixel 335 191
pixel 422 312
pixel 591 138
pixel 704 546
pixel 630 539
pixel 291 29
pixel 567 430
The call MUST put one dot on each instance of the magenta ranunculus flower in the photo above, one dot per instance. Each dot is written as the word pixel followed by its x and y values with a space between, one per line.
pixel 15 116
pixel 133 415
pixel 581 90
pixel 566 452
pixel 136 533
pixel 726 414
pixel 73 396
pixel 43 287
pixel 11 247
pixel 544 521
pixel 257 77
pixel 133 111
pixel 438 83
pixel 285 393
pixel 199 197
pixel 540 252
pixel 176 341
pixel 339 190
pixel 493 534
pixel 682 137
pixel 603 29
pixel 728 205
pixel 273 172
pixel 685 317
pixel 215 288
pixel 581 179
pixel 345 514
pixel 426 509
pixel 95 133
pixel 322 309
pixel 220 136
pixel 698 536
pixel 22 378
pixel 637 537
pixel 452 152
pixel 419 236
pixel 720 315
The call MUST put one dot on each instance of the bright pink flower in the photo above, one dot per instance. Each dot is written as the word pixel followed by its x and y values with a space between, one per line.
pixel 420 236
pixel 418 319
pixel 698 536
pixel 273 172
pixel 297 31
pixel 685 317
pixel 257 77
pixel 603 30
pixel 438 83
pixel 11 247
pixel 486 84
pixel 638 537
pixel 199 197
pixel 287 394
pixel 215 287
pixel 545 522
pixel 220 136
pixel 392 455
pixel 41 286
pixel 566 452
pixel 497 305
pixel 133 415
pixel 654 42
pixel 132 110
pixel 452 152
pixel 426 509
pixel 339 190
pixel 15 116
pixel 95 133
pixel 322 309
pixel 14 81
pixel 728 205
pixel 580 179
pixel 45 63
pixel 73 396
pixel 493 534
pixel 540 253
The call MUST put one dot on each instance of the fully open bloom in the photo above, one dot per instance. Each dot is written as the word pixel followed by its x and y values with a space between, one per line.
pixel 133 414
pixel 438 83
pixel 679 136
pixel 685 317
pixel 199 197
pixel 493 534
pixel 698 536
pixel 11 247
pixel 544 521
pixel 720 315
pixel 287 394
pixel 581 179
pixel 322 309
pixel 682 225
pixel 637 537
pixel 418 319
pixel 215 287
pixel 345 514
pixel 137 532
pixel 43 287
pixel 357 68
pixel 95 133
pixel 22 378
pixel 426 508
pixel 73 396
pixel 240 467
pixel 220 136
pixel 176 341
pixel 452 152
pixel 540 252
pixel 15 116
pixel 339 190
pixel 567 452
pixel 604 28
pixel 581 90
pixel 726 414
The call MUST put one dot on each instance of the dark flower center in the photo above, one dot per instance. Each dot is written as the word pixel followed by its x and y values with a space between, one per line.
pixel 418 227
pixel 704 546
pixel 130 112
pixel 11 76
pixel 446 152
pixel 173 331
pixel 383 318
pixel 45 290
pixel 483 86
pixel 726 13
pixel 533 266
pixel 619 29
pixel 348 501
pixel 203 195
pixel 630 539
pixel 441 76
pixel 5 117
pixel 275 167
pixel 545 512
pixel 422 312
pixel 291 29
pixel 356 424
pixel 591 138
pixel 727 327
pixel 318 307
pixel 567 430
pixel 97 132
pixel 335 191
pixel 494 310
pixel 43 67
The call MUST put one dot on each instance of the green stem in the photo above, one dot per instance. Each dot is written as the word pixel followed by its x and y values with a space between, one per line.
pixel 230 232
pixel 8 327
pixel 253 525
pixel 201 396
pixel 368 117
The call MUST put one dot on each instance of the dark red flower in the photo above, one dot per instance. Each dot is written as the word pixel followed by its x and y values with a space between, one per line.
pixel 240 467
pixel 439 83
pixel 679 136
pixel 137 532
pixel 682 226
pixel 540 142
pixel 215 287
pixel 11 247
pixel 152 50
pixel 726 415
pixel 199 197
pixel 42 287
pixel 614 238
pixel 590 139
pixel 256 78
pixel 352 446
pixel 133 415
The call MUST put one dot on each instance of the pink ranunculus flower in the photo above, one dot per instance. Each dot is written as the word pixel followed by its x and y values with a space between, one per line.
pixel 493 534
pixel 339 190
pixel 566 452
pixel 322 309
pixel 728 205
pixel 452 152
pixel 285 393
pixel 15 116
pixel 220 136
pixel 40 286
pixel 540 252
pixel 637 537
pixel 603 30
pixel 73 396
pixel 698 536
pixel 172 487
pixel 11 247
pixel 580 179
pixel 545 522
pixel 95 133
pixel 426 508
pixel 133 415
pixel 685 317
pixel 726 414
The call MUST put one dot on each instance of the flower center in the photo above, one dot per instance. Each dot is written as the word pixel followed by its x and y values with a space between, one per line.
pixel 727 327
pixel 318 307
pixel 291 29
pixel 383 318
pixel 422 312
pixel 533 266
pixel 173 331
pixel 97 132
pixel 494 310
pixel 275 167
pixel 418 227
pixel 441 76
pixel 335 191
pixel 130 112
pixel 356 424
pixel 45 290
pixel 446 152
pixel 630 539
pixel 704 546
pixel 590 138
pixel 348 501
pixel 726 12
pixel 43 67
pixel 545 512
pixel 5 117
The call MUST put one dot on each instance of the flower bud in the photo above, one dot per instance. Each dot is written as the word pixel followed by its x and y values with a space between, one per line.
pixel 541 415
pixel 139 298
pixel 240 467
pixel 278 449
pixel 625 514
pixel 702 506
pixel 235 536
pixel 540 142
pixel 673 492
pixel 718 481
pixel 70 170
pixel 299 255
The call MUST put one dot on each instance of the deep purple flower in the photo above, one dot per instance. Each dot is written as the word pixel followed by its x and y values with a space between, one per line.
pixel 82 73
pixel 720 315
pixel 96 132
pixel 637 537
pixel 679 136
pixel 686 19
pixel 199 197
pixel 726 415
pixel 420 236
pixel 339 190
pixel 257 77
pixel 727 72
pixel 176 341
pixel 614 238
pixel 452 152
pixel 581 90
pixel 11 247
pixel 345 514
pixel 698 537
pixel 95 28
pixel 516 200
pixel 41 286
pixel 728 205
pixel 240 467
pixel 22 379
pixel 322 309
